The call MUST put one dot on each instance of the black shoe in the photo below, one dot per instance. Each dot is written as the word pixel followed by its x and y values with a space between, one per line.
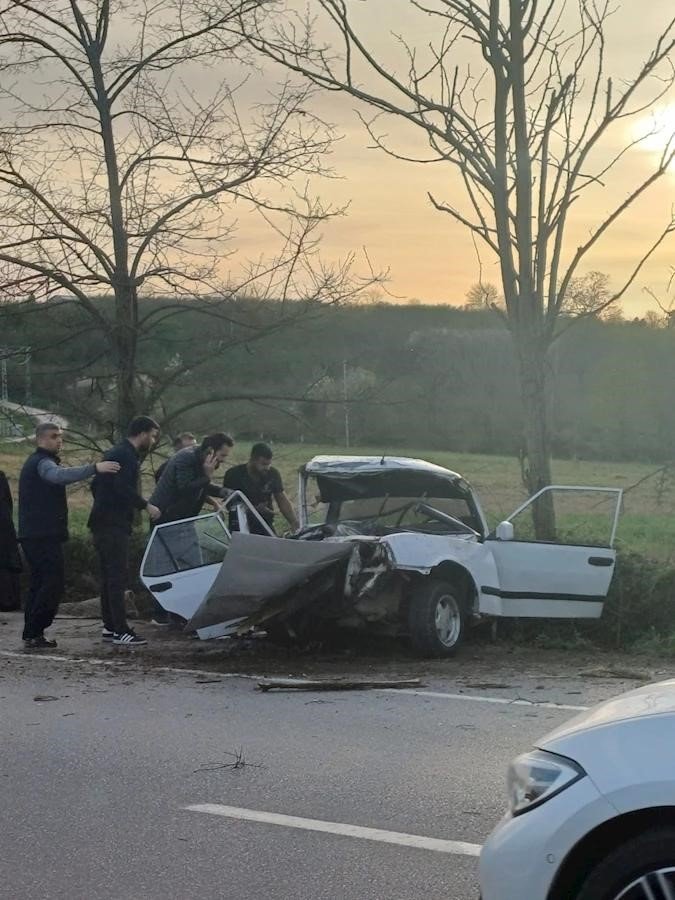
pixel 107 635
pixel 129 639
pixel 161 618
pixel 40 643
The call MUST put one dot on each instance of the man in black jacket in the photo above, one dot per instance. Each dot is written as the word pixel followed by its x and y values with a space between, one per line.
pixel 116 498
pixel 185 484
pixel 43 527
pixel 185 439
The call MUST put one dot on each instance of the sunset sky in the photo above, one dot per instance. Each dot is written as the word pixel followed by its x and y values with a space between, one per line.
pixel 433 259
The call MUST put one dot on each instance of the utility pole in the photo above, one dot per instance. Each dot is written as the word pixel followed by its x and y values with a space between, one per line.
pixel 28 386
pixel 345 401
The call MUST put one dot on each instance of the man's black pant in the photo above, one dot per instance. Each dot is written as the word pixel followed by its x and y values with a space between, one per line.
pixel 45 561
pixel 112 546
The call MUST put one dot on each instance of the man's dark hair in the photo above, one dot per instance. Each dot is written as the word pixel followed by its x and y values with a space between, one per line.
pixel 177 443
pixel 46 428
pixel 141 424
pixel 261 450
pixel 216 441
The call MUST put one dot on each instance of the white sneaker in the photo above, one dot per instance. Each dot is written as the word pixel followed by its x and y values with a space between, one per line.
pixel 129 639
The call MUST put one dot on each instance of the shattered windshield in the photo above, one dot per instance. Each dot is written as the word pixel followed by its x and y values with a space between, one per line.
pixel 408 513
pixel 383 514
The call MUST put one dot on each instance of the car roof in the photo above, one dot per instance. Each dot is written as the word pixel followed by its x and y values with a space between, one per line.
pixel 341 466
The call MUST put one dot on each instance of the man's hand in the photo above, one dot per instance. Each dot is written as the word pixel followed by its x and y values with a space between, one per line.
pixel 210 463
pixel 215 503
pixel 106 467
pixel 153 511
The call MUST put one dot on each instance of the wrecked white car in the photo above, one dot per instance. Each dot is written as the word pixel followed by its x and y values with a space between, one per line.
pixel 391 544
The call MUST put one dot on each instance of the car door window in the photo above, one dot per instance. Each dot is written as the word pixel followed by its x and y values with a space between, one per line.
pixel 584 517
pixel 190 544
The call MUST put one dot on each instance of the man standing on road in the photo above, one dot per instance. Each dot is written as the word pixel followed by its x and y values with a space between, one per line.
pixel 43 527
pixel 185 439
pixel 261 484
pixel 116 498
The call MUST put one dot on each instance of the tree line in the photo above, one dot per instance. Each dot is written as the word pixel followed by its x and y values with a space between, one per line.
pixel 417 376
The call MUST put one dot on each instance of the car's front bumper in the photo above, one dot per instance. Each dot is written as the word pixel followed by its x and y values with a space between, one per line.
pixel 522 856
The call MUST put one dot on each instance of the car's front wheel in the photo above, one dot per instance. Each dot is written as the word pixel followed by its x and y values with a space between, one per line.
pixel 436 618
pixel 642 868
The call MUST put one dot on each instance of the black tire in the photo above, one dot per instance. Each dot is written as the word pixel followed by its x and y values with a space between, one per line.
pixel 436 618
pixel 650 856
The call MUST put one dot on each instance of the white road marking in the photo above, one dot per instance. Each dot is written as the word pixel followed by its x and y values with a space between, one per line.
pixel 175 670
pixel 458 848
pixel 505 701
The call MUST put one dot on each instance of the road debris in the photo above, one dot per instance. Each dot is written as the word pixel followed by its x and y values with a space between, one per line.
pixel 334 684
pixel 616 672
pixel 238 762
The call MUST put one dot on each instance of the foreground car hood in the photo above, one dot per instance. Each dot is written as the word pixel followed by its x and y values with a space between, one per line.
pixel 652 700
pixel 625 747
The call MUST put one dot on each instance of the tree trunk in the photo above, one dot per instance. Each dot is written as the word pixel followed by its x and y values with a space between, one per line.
pixel 124 328
pixel 534 388
pixel 125 358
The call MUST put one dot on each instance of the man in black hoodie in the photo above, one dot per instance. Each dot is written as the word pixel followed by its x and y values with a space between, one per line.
pixel 116 499
pixel 43 527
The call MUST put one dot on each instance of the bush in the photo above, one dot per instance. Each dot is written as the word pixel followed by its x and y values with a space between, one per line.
pixel 641 601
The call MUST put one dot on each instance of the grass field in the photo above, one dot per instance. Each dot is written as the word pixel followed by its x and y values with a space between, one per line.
pixel 647 524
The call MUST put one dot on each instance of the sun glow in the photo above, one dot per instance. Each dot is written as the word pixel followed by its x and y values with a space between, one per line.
pixel 656 131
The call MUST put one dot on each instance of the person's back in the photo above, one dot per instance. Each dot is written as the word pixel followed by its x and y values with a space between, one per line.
pixel 10 558
pixel 116 496
pixel 43 507
pixel 170 494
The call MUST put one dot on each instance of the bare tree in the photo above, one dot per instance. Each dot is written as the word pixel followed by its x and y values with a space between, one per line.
pixel 514 95
pixel 124 157
pixel 590 296
pixel 484 294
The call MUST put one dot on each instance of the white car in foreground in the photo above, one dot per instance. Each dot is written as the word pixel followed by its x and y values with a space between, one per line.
pixel 592 808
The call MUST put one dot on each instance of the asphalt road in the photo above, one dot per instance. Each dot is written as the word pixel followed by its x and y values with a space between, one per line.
pixel 96 784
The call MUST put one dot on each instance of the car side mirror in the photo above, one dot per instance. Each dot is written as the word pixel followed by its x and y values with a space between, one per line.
pixel 505 531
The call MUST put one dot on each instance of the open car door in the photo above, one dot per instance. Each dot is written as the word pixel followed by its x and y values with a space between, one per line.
pixel 182 560
pixel 568 577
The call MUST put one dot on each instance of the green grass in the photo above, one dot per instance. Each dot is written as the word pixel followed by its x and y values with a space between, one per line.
pixel 647 524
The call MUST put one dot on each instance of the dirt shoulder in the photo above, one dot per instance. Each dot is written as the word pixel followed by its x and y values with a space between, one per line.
pixel 538 675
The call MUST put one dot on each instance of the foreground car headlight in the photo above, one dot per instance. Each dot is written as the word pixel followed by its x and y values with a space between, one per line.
pixel 536 777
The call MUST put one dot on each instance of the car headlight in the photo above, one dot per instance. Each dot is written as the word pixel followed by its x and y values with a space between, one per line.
pixel 537 776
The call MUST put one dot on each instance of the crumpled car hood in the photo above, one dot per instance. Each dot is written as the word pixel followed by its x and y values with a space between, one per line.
pixel 258 569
